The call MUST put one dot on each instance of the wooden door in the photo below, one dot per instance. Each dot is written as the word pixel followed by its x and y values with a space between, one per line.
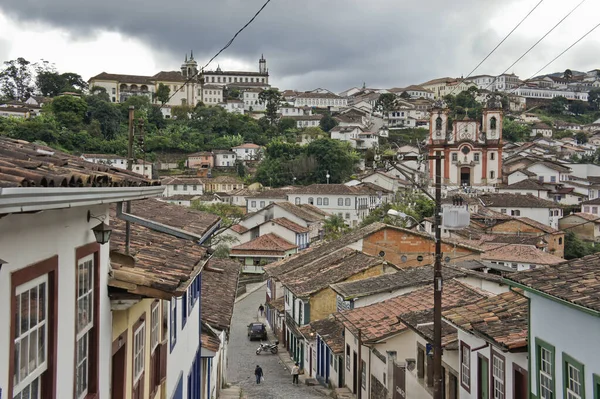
pixel 420 363
pixel 118 373
pixel 520 383
pixel 354 373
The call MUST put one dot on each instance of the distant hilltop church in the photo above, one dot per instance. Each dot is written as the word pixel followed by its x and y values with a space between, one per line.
pixel 194 86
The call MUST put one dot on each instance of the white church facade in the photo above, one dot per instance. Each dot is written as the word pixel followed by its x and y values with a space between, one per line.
pixel 188 86
pixel 472 150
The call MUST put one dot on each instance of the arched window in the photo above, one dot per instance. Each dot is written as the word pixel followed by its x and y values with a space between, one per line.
pixel 493 123
pixel 297 200
pixel 311 201
pixel 438 123
pixel 325 201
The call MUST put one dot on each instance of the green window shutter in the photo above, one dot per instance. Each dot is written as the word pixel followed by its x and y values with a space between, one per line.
pixel 306 312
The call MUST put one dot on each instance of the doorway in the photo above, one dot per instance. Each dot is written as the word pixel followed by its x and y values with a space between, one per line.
pixel 118 372
pixel 483 378
pixel 465 176
pixel 340 371
pixel 354 373
pixel 520 382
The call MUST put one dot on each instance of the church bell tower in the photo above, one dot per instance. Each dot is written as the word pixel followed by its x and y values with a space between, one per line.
pixel 262 65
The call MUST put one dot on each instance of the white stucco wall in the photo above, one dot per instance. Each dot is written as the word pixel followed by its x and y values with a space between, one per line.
pixel 180 359
pixel 170 190
pixel 577 334
pixel 26 239
pixel 520 359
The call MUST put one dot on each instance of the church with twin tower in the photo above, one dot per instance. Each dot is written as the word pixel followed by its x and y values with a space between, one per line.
pixel 472 149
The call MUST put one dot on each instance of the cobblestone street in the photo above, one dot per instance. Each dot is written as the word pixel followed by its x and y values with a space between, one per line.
pixel 242 359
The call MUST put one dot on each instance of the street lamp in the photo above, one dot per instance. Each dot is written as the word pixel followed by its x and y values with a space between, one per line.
pixel 328 176
pixel 400 214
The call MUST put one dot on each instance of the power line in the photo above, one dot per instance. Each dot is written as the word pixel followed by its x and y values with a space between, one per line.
pixel 502 41
pixel 536 43
pixel 558 56
pixel 229 43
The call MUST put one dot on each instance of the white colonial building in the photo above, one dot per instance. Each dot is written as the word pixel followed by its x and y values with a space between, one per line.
pixel 139 166
pixel 224 158
pixel 321 99
pixel 247 151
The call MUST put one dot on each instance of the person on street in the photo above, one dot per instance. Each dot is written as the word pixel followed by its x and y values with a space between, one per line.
pixel 258 373
pixel 261 309
pixel 295 372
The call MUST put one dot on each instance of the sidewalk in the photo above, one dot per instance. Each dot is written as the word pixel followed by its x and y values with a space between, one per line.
pixel 288 362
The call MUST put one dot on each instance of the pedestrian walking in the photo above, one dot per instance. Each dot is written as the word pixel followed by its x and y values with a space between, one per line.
pixel 258 373
pixel 261 309
pixel 295 372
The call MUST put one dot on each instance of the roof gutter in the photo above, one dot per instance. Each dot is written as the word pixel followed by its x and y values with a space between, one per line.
pixel 31 199
pixel 163 228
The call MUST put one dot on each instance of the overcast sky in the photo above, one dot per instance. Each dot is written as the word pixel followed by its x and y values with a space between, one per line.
pixel 335 44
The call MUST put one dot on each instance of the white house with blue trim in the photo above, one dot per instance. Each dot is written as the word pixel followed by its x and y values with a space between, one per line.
pixel 564 328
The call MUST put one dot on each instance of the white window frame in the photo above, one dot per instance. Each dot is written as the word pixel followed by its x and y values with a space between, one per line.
pixel 85 290
pixel 154 327
pixel 498 372
pixel 32 376
pixel 545 372
pixel 570 382
pixel 139 354
pixel 465 366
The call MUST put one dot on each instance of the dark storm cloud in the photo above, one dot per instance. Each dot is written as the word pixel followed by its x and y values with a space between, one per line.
pixel 316 43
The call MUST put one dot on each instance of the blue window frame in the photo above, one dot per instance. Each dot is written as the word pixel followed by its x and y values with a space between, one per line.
pixel 184 309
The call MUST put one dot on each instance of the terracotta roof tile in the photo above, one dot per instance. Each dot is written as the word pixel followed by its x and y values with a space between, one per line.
pixel 502 318
pixel 519 253
pixel 265 244
pixel 219 287
pixel 421 322
pixel 278 304
pixel 273 193
pixel 123 78
pixel 380 320
pixel 331 269
pixel 516 201
pixel 315 253
pixel 331 330
pixel 24 164
pixel 288 224
pixel 388 282
pixel 238 228
pixel 576 281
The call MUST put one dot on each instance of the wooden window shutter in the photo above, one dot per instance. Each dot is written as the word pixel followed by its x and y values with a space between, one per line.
pixel 162 361
pixel 306 313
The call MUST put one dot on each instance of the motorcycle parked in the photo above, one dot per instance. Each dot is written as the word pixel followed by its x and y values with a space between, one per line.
pixel 268 347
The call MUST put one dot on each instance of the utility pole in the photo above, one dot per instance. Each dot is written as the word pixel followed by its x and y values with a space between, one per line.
pixel 437 283
pixel 130 156
pixel 437 268
pixel 359 366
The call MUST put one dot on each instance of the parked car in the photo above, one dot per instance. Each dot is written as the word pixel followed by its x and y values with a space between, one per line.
pixel 257 330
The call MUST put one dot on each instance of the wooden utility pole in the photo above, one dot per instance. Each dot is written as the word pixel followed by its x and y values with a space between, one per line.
pixel 437 283
pixel 359 366
pixel 130 156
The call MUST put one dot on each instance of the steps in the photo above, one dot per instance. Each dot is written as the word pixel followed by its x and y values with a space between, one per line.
pixel 343 393
pixel 231 393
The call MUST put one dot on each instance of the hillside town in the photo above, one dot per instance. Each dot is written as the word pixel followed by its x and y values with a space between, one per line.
pixel 202 233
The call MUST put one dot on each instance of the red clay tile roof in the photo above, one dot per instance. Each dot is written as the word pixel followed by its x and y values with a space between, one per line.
pixel 288 224
pixel 516 201
pixel 266 244
pixel 219 287
pixel 180 217
pixel 527 184
pixel 389 282
pixel 315 253
pixel 278 304
pixel 182 180
pixel 331 189
pixel 208 339
pixel 503 319
pixel 576 281
pixel 331 269
pixel 123 78
pixel 587 216
pixel 160 262
pixel 306 212
pixel 24 164
pixel 238 228
pixel 331 330
pixel 248 145
pixel 273 193
pixel 519 253
pixel 421 322
pixel 534 223
pixel 380 320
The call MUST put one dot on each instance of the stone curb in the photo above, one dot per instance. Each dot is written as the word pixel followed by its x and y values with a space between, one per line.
pixel 253 290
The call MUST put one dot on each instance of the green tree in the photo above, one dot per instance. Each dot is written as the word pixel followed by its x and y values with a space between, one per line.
pixel 581 137
pixel 240 168
pixel 49 83
pixel 575 247
pixel 285 124
pixel 107 115
pixel 405 95
pixel 334 227
pixel 578 107
pixel 334 157
pixel 272 99
pixel 558 105
pixel 100 92
pixel 162 93
pixel 513 131
pixel 386 103
pixel 594 98
pixel 74 82
pixel 568 74
pixel 69 110
pixel 327 122
pixel 16 79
